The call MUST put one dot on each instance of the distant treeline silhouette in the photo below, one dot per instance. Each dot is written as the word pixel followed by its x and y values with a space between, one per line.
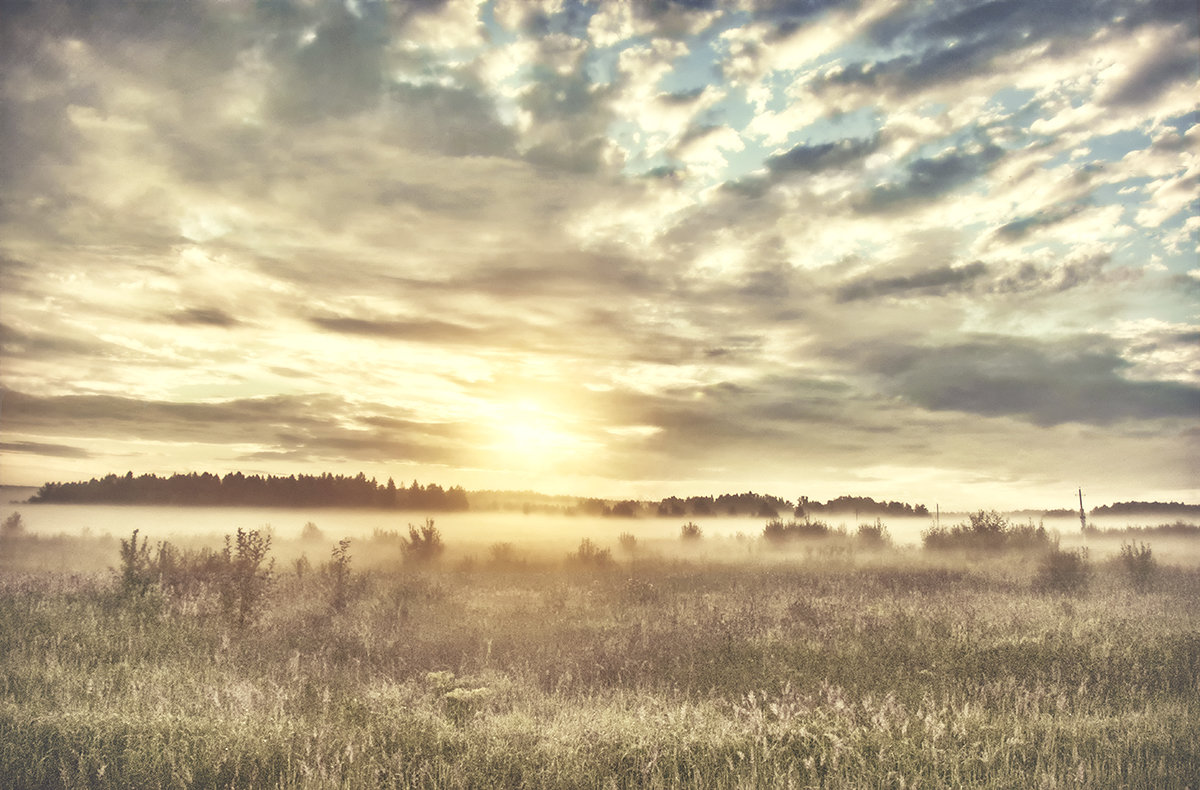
pixel 863 505
pixel 748 504
pixel 1137 508
pixel 236 488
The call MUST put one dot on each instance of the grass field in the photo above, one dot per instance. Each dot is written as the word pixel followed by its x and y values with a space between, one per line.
pixel 824 664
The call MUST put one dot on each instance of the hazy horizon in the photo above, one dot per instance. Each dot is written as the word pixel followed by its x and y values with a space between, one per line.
pixel 940 253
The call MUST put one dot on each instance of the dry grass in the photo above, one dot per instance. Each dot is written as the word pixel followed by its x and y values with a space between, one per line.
pixel 827 668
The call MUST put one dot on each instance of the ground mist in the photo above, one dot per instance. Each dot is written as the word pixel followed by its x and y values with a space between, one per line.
pixel 697 663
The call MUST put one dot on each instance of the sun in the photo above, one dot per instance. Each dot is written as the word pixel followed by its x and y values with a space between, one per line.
pixel 530 435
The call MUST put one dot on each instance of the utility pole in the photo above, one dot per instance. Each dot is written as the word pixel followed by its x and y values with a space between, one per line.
pixel 1082 515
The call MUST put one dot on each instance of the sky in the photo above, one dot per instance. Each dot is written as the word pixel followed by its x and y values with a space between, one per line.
pixel 938 252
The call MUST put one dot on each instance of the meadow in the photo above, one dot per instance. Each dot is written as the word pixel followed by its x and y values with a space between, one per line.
pixel 399 660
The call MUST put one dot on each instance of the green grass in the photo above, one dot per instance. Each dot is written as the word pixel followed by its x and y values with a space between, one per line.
pixel 841 669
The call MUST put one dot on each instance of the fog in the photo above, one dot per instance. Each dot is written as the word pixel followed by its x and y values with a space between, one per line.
pixel 464 531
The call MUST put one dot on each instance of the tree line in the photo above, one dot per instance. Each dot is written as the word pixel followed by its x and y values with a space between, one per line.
pixel 236 488
pixel 747 504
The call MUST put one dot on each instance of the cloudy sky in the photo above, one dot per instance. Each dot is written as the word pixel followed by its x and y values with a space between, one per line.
pixel 933 251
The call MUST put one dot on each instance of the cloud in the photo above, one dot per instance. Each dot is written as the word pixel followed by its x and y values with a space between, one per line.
pixel 927 178
pixel 314 427
pixel 823 156
pixel 1044 383
pixel 204 316
pixel 40 448
pixel 1022 227
pixel 428 331
pixel 939 280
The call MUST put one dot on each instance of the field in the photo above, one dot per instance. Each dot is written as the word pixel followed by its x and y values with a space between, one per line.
pixel 722 663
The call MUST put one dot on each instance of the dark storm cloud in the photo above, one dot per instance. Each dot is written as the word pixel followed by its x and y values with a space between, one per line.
pixel 939 280
pixel 1044 383
pixel 39 448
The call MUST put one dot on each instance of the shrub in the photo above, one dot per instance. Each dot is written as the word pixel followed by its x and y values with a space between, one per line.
pixel 627 542
pixel 874 534
pixel 13 527
pixel 424 544
pixel 591 555
pixel 503 555
pixel 986 530
pixel 690 532
pixel 136 575
pixel 1063 571
pixel 311 533
pixel 776 531
pixel 339 575
pixel 1139 564
pixel 184 572
pixel 246 576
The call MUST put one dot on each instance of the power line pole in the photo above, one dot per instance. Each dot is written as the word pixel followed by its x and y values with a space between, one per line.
pixel 1082 515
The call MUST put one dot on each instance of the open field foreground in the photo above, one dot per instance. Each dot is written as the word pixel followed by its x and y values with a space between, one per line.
pixel 374 665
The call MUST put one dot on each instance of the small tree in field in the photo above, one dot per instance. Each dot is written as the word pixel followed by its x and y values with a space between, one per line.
pixel 591 555
pixel 246 575
pixel 424 544
pixel 137 573
pixel 339 576
pixel 690 532
pixel 13 527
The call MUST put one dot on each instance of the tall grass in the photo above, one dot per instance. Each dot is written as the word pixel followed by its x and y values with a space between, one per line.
pixel 907 670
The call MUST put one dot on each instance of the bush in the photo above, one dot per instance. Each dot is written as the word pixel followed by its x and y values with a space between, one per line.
pixel 339 575
pixel 424 544
pixel 13 527
pixel 246 576
pixel 627 542
pixel 504 556
pixel 591 555
pixel 874 534
pixel 1139 564
pixel 1064 571
pixel 776 531
pixel 988 531
pixel 311 533
pixel 136 575
pixel 690 532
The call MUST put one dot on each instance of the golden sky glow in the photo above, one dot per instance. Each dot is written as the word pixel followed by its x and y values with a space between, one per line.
pixel 930 252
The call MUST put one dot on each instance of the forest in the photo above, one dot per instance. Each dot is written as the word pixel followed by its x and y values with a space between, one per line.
pixel 236 488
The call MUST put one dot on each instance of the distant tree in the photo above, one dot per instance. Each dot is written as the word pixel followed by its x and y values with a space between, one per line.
pixel 13 527
pixel 625 509
pixel 672 507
